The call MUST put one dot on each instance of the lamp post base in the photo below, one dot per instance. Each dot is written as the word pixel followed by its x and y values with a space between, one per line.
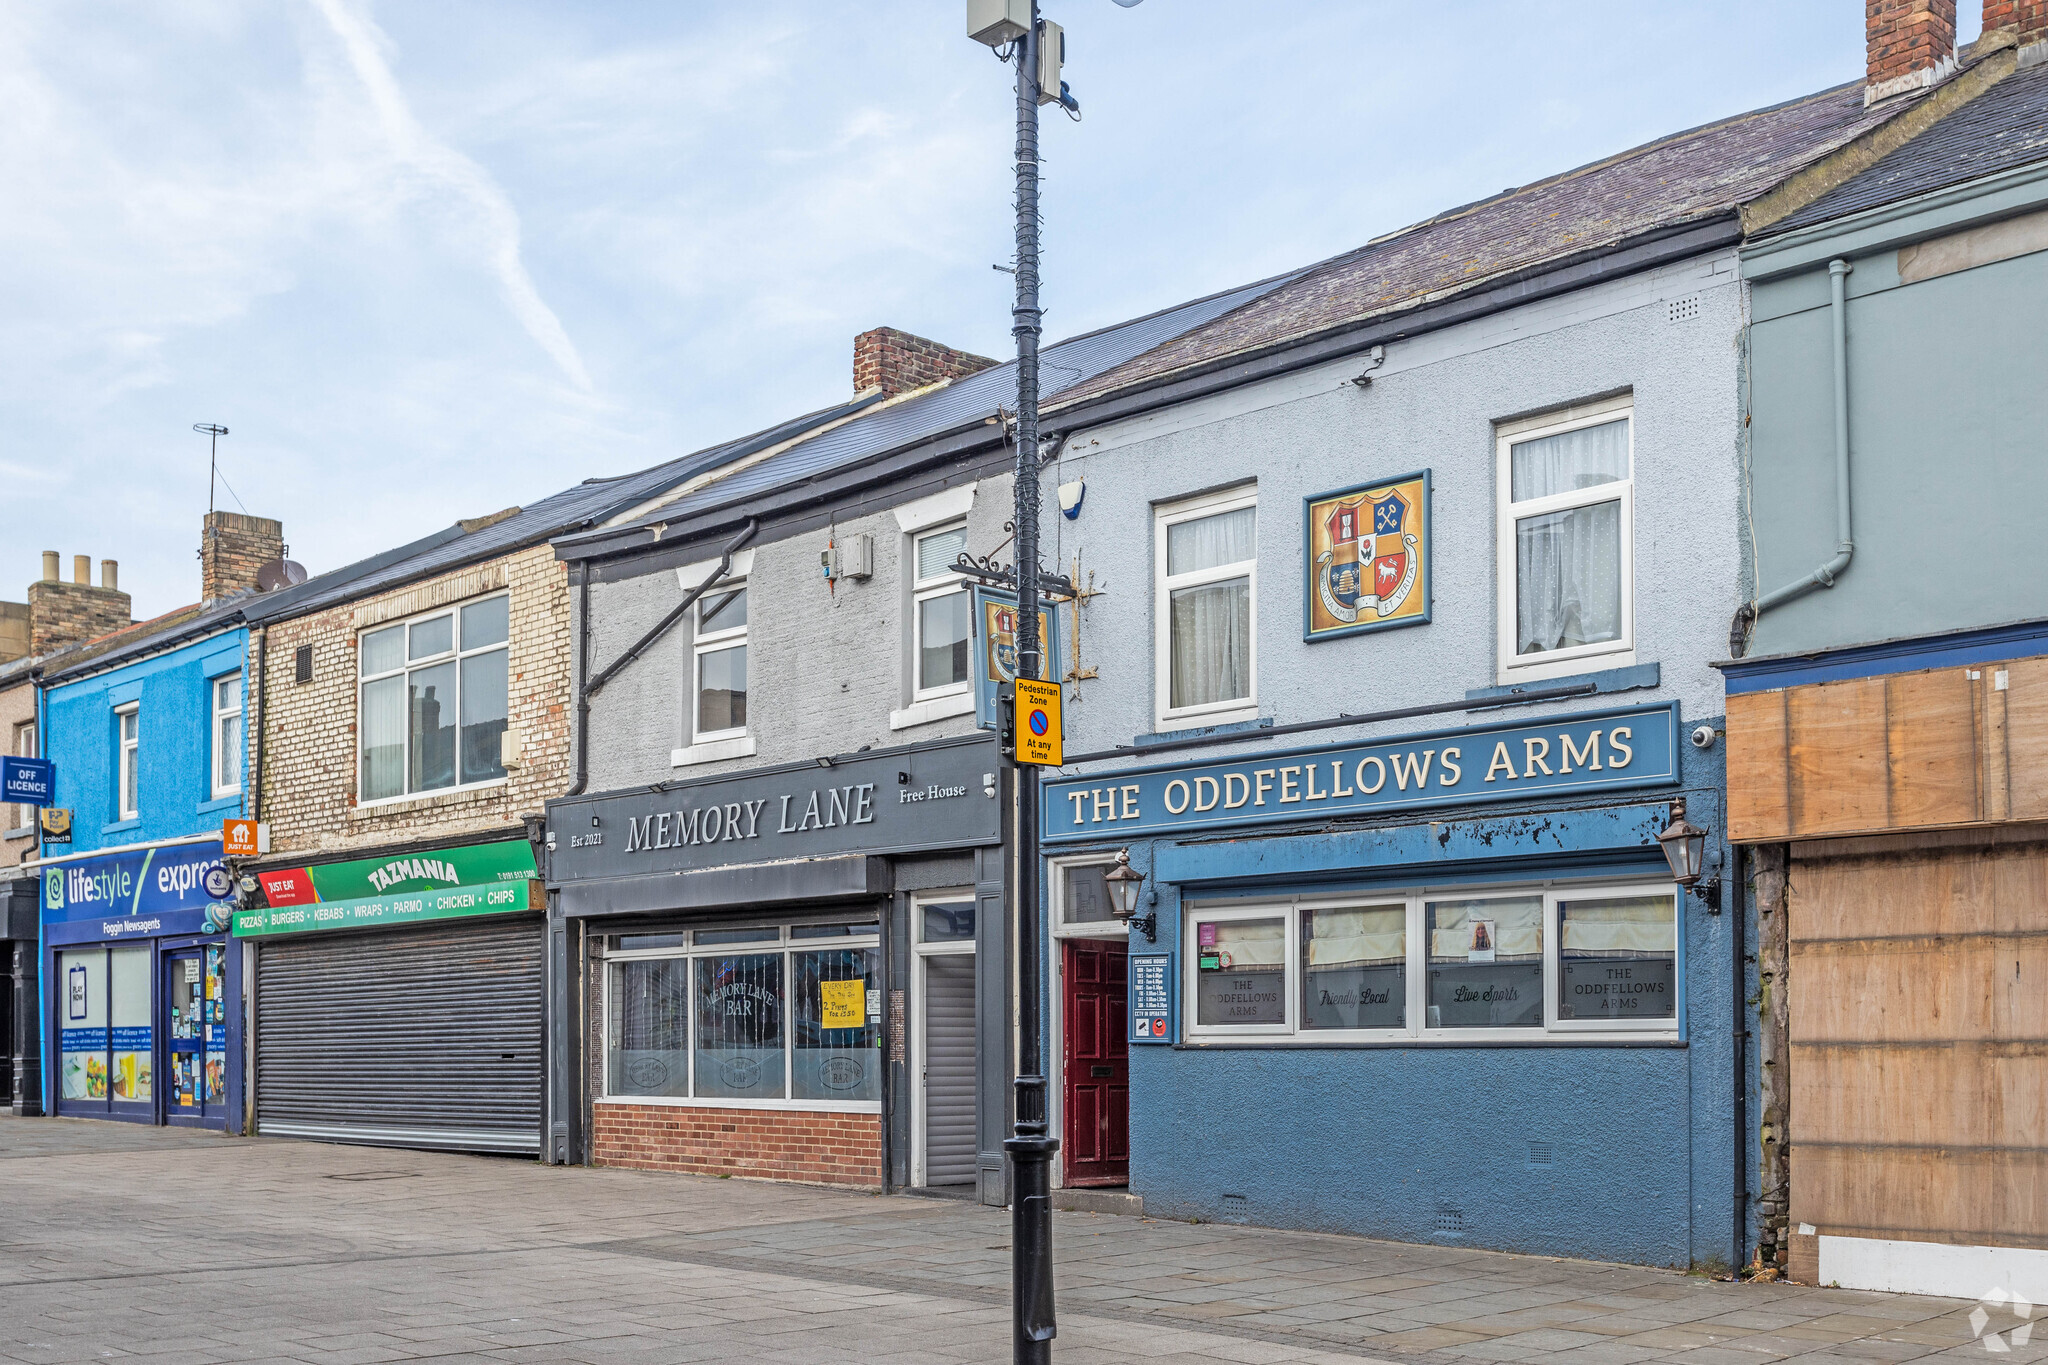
pixel 1032 1320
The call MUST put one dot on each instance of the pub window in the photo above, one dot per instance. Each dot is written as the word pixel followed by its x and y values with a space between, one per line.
pixel 1566 553
pixel 1493 966
pixel 764 1016
pixel 1206 615
pixel 433 701
pixel 1081 898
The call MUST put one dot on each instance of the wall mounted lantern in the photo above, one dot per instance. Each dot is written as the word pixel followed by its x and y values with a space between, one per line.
pixel 1685 849
pixel 1123 882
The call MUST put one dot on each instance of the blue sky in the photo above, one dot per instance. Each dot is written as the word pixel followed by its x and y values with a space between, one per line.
pixel 427 261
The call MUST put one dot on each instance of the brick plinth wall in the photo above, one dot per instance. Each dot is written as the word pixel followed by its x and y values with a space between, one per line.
pixel 776 1144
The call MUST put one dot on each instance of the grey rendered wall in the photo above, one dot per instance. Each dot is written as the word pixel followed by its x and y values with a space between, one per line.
pixel 1948 433
pixel 825 667
pixel 1318 1137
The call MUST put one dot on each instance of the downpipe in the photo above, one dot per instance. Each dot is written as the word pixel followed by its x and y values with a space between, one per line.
pixel 1845 541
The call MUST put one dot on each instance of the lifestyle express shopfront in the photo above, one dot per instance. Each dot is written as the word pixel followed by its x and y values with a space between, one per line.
pixel 398 1000
pixel 138 980
pixel 1459 1023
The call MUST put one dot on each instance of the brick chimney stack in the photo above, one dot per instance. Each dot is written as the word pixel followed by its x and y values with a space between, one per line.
pixel 2026 20
pixel 62 613
pixel 897 362
pixel 232 547
pixel 1910 45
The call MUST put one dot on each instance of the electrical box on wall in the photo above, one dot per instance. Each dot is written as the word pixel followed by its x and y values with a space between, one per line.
pixel 852 558
pixel 996 22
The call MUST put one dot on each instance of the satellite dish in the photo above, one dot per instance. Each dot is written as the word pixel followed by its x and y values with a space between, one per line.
pixel 280 573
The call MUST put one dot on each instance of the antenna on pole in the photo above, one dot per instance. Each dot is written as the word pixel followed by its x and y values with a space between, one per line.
pixel 213 431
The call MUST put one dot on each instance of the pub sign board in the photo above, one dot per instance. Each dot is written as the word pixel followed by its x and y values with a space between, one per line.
pixel 1367 558
pixel 903 800
pixel 1589 751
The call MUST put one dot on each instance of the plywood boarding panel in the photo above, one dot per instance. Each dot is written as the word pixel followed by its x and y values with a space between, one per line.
pixel 1757 767
pixel 1940 748
pixel 1958 1196
pixel 1838 755
pixel 2026 735
pixel 1919 1030
pixel 1931 748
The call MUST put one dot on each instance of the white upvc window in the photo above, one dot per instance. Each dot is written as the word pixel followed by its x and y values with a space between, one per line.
pixel 128 749
pixel 25 747
pixel 433 700
pixel 1206 614
pixel 227 736
pixel 1566 541
pixel 938 614
pixel 765 1016
pixel 719 664
pixel 1080 898
pixel 1505 965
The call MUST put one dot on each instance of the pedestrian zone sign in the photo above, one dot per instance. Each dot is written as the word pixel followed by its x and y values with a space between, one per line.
pixel 1038 723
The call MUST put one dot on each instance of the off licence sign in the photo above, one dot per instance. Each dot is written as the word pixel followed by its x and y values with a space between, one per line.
pixel 1038 723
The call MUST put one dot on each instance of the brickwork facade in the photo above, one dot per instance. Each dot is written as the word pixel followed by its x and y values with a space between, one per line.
pixel 777 1144
pixel 2028 19
pixel 232 547
pixel 311 769
pixel 896 362
pixel 17 823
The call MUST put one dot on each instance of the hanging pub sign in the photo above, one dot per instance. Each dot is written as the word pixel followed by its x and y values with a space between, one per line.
pixel 994 629
pixel 1368 558
pixel 1588 751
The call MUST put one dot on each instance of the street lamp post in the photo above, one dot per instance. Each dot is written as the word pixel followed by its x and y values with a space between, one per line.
pixel 1031 1146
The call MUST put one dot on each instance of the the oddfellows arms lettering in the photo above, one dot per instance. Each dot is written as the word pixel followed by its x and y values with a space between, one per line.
pixel 1413 770
pixel 820 808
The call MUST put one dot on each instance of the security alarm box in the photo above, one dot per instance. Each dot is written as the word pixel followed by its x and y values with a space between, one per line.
pixel 996 22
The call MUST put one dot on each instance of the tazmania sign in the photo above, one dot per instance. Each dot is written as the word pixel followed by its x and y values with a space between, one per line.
pixel 1591 751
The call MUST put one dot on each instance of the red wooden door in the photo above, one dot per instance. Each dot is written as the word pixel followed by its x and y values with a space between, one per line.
pixel 1098 1069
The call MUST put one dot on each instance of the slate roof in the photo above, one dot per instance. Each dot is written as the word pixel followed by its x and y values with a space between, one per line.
pixel 1687 178
pixel 587 502
pixel 2004 127
pixel 962 404
pixel 141 637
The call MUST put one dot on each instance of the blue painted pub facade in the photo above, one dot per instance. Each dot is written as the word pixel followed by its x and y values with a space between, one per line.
pixel 141 984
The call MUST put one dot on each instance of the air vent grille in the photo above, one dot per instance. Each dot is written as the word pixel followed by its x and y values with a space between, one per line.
pixel 1682 310
pixel 1542 1154
pixel 1450 1221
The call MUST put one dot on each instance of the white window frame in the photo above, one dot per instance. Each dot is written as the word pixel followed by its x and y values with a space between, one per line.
pixel 705 642
pixel 220 716
pixel 1616 653
pixel 924 590
pixel 1168 716
pixel 454 655
pixel 783 944
pixel 1294 1034
pixel 1056 869
pixel 128 760
pixel 25 747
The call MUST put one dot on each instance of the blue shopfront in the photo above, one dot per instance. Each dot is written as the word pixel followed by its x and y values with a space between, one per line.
pixel 140 987
pixel 1441 987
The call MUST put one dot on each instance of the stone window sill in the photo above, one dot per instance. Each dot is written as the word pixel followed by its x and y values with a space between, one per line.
pixel 938 708
pixel 470 796
pixel 740 746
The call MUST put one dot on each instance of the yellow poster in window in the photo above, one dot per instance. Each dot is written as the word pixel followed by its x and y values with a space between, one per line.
pixel 843 1004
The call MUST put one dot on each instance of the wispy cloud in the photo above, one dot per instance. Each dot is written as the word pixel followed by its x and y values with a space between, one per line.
pixel 494 220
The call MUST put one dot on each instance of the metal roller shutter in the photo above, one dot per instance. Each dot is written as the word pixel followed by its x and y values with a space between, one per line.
pixel 949 1069
pixel 428 1037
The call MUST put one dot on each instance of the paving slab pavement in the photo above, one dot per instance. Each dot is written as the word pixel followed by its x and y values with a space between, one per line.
pixel 119 1241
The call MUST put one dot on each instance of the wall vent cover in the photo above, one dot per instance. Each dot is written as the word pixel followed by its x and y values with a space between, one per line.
pixel 1450 1221
pixel 1682 310
pixel 1542 1154
pixel 1236 1207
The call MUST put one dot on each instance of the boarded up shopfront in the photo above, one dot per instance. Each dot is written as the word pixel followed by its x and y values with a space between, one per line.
pixel 1912 942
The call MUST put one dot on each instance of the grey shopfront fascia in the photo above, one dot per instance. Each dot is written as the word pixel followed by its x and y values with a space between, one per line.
pixel 794 842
